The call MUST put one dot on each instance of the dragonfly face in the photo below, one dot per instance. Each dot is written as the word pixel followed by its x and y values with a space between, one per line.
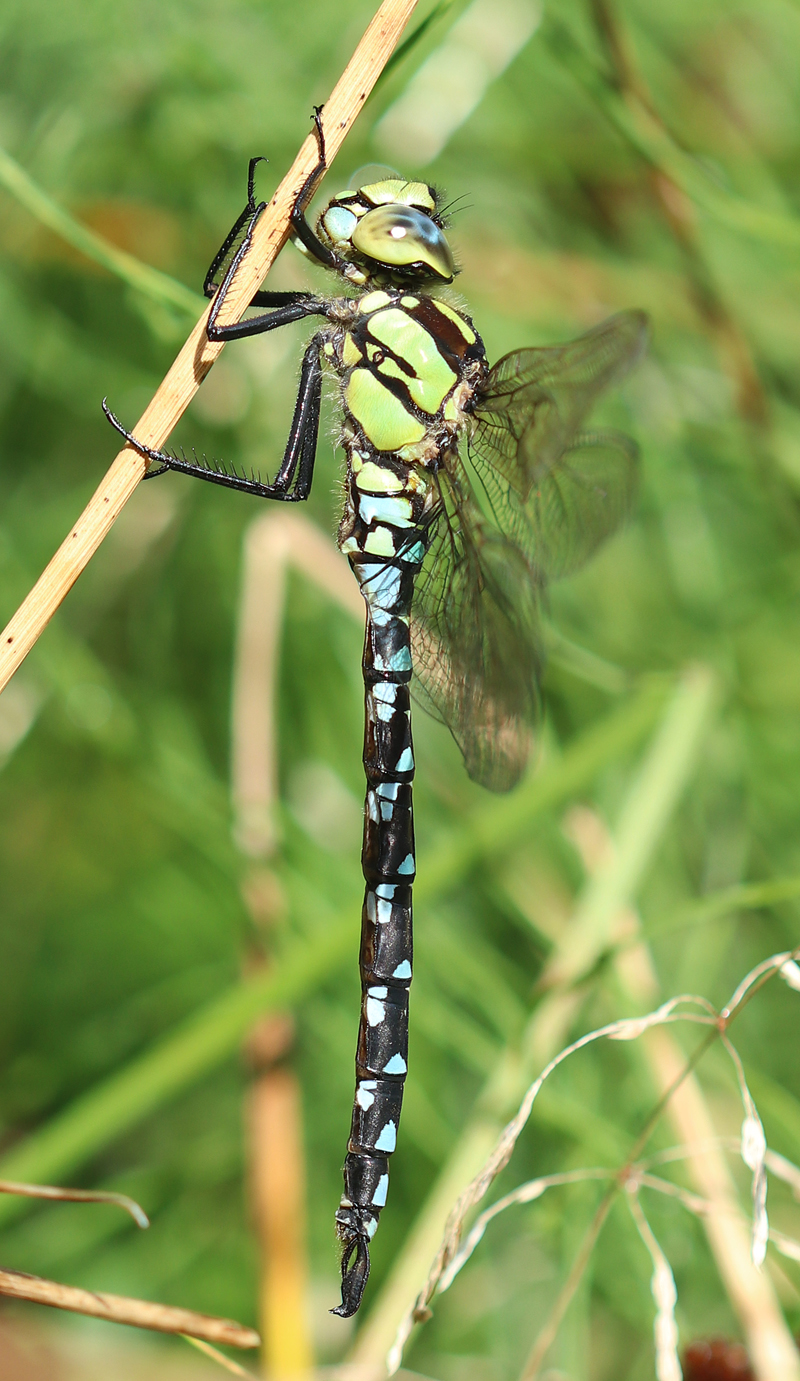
pixel 466 488
pixel 389 232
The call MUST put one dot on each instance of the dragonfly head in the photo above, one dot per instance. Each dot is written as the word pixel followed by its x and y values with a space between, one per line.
pixel 389 231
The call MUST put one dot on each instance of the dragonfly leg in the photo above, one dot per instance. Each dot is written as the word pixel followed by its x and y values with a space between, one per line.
pixel 251 212
pixel 300 225
pixel 293 480
pixel 288 306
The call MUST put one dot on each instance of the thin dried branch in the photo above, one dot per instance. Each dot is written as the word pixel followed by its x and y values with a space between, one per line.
pixel 566 1294
pixel 227 1363
pixel 524 1194
pixel 665 1296
pixel 753 1151
pixel 776 963
pixel 198 354
pixel 77 1196
pixel 274 541
pixel 140 1313
pixel 624 1029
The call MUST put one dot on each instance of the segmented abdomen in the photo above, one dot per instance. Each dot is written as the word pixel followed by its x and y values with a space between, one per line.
pixel 407 363
pixel 395 525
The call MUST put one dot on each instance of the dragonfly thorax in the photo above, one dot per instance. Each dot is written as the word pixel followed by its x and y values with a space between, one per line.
pixel 388 232
pixel 409 365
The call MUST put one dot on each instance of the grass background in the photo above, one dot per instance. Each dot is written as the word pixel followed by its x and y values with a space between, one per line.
pixel 624 157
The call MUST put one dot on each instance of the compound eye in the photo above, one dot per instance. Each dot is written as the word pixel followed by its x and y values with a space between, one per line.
pixel 339 223
pixel 400 235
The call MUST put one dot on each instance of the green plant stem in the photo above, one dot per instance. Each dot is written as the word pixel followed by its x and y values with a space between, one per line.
pixel 547 1336
pixel 647 809
pixel 154 284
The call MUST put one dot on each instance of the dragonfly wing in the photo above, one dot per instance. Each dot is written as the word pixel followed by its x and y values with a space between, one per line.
pixel 475 640
pixel 531 498
pixel 536 401
pixel 577 504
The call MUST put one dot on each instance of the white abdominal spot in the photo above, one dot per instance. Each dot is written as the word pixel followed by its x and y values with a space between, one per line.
pixel 387 1139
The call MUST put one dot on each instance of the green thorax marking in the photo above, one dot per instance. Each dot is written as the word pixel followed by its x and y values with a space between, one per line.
pixel 406 354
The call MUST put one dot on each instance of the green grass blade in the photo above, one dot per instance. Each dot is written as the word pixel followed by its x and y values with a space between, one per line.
pixel 154 284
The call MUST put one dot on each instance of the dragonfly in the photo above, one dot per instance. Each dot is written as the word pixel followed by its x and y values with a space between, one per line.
pixel 467 488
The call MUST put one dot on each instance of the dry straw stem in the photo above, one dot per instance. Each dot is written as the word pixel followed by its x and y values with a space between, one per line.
pixel 77 1196
pixel 227 1363
pixel 198 354
pixel 278 1193
pixel 274 541
pixel 118 1309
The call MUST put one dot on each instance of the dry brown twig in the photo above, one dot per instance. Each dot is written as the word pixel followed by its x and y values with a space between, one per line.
pixel 115 1308
pixel 77 1196
pixel 162 1318
pixel 278 540
pixel 199 354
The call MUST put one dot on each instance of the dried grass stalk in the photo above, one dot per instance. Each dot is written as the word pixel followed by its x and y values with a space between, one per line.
pixel 162 1318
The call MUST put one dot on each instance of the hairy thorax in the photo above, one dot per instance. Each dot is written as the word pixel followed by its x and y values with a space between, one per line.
pixel 409 365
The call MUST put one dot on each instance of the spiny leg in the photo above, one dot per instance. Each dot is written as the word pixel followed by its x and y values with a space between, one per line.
pixel 293 480
pixel 289 306
pixel 251 212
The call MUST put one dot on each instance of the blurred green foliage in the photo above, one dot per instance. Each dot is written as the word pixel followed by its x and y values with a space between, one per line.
pixel 645 156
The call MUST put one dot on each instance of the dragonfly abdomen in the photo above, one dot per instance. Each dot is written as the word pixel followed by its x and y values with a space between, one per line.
pixel 388 862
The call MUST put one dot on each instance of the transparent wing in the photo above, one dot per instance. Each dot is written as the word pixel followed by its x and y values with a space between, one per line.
pixel 475 638
pixel 530 499
pixel 579 502
pixel 536 401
